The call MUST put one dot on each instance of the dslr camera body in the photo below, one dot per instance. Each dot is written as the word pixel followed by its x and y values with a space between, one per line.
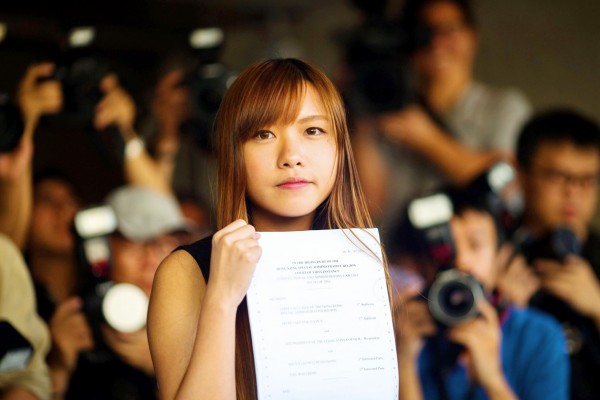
pixel 453 295
pixel 207 79
pixel 122 306
pixel 556 244
pixel 377 54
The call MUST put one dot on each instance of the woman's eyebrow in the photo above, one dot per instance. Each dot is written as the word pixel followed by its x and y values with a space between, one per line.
pixel 310 118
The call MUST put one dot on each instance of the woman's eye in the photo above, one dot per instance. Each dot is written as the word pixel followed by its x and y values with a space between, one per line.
pixel 315 131
pixel 262 135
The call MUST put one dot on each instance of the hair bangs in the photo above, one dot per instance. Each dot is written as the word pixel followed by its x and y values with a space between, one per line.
pixel 276 97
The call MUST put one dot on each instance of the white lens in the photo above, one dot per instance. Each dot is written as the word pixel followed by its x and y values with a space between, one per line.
pixel 125 307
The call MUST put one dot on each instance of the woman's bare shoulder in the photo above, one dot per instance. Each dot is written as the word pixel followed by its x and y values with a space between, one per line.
pixel 178 273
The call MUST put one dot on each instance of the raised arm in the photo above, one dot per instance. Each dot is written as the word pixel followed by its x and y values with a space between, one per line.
pixel 35 98
pixel 191 326
pixel 170 107
pixel 458 162
pixel 118 108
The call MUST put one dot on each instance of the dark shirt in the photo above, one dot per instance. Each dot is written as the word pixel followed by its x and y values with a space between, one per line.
pixel 107 377
pixel 200 251
pixel 583 338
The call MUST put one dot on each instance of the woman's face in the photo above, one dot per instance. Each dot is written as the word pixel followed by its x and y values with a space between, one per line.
pixel 291 169
pixel 475 239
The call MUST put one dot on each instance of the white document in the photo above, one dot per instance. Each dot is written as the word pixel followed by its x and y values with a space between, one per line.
pixel 320 317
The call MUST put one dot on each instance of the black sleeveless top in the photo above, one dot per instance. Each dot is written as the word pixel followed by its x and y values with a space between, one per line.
pixel 200 251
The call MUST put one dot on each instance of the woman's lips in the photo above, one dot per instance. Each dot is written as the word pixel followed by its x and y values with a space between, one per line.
pixel 293 183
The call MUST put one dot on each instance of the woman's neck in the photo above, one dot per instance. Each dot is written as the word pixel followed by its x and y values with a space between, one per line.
pixel 282 224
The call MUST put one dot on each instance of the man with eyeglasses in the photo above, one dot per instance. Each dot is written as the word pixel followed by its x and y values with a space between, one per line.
pixel 558 154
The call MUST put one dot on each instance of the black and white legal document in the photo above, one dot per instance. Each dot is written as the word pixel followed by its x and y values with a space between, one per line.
pixel 320 317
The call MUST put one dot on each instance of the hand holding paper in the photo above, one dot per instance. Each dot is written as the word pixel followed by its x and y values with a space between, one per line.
pixel 320 317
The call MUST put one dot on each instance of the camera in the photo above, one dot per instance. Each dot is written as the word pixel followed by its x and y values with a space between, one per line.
pixel 80 69
pixel 122 305
pixel 208 79
pixel 11 125
pixel 453 297
pixel 80 77
pixel 555 244
pixel 208 84
pixel 496 189
pixel 377 54
pixel 429 217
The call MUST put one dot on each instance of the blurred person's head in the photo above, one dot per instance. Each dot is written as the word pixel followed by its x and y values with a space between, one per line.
pixel 559 161
pixel 477 237
pixel 453 42
pixel 467 237
pixel 55 202
pixel 149 226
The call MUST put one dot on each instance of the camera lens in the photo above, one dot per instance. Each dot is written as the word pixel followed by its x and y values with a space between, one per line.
pixel 125 307
pixel 453 297
pixel 456 299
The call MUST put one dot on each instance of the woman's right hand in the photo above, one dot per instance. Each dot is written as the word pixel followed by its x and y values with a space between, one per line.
pixel 235 252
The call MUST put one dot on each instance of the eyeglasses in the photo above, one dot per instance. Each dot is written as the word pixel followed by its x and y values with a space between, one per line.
pixel 161 246
pixel 557 177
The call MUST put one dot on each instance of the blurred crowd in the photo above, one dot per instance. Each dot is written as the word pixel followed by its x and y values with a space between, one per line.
pixel 484 207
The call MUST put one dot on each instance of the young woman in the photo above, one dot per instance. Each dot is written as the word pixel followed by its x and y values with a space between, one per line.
pixel 285 164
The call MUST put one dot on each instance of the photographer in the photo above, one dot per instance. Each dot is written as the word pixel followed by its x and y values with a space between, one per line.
pixel 181 143
pixel 558 154
pixel 455 128
pixel 502 353
pixel 57 277
pixel 149 226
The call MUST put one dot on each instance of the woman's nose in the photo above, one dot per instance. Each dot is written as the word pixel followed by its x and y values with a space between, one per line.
pixel 290 152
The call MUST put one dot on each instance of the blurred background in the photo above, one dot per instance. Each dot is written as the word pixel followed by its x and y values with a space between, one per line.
pixel 550 49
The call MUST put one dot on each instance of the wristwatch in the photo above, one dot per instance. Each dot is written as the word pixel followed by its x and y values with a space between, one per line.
pixel 134 147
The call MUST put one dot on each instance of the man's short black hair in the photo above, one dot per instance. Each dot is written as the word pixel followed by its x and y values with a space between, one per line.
pixel 556 126
pixel 56 174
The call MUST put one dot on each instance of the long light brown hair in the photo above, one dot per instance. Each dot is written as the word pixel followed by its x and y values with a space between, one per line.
pixel 266 93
